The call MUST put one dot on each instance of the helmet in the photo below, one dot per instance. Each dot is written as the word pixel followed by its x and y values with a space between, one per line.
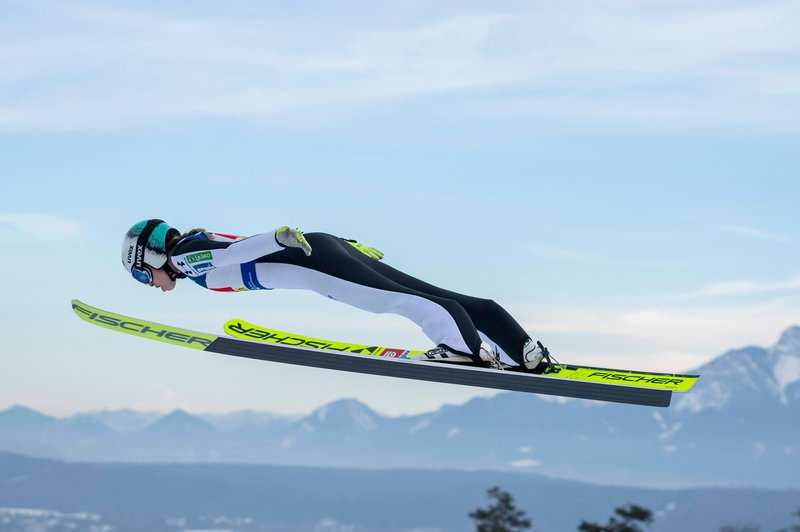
pixel 146 243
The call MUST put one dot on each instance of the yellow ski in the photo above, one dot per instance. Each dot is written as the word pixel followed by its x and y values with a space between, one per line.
pixel 242 329
pixel 248 331
pixel 387 362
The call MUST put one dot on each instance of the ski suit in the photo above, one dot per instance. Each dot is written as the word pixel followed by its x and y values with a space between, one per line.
pixel 335 269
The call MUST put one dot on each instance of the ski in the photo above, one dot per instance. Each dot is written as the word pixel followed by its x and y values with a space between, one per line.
pixel 245 330
pixel 239 328
pixel 373 365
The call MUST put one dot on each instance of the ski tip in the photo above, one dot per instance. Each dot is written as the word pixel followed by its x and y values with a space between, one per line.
pixel 142 328
pixel 79 307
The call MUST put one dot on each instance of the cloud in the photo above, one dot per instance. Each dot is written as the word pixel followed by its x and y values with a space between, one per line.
pixel 589 259
pixel 752 232
pixel 743 288
pixel 38 225
pixel 666 338
pixel 525 463
pixel 679 323
pixel 76 65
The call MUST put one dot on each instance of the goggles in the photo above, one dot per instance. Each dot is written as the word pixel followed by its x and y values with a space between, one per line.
pixel 140 271
pixel 143 276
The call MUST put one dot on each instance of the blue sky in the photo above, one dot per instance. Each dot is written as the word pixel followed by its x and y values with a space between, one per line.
pixel 621 176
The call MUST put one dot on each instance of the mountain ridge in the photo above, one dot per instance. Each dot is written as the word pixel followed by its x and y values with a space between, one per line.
pixel 287 498
pixel 743 411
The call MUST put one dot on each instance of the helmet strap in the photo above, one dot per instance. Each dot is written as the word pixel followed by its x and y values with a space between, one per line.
pixel 172 273
pixel 141 243
pixel 172 234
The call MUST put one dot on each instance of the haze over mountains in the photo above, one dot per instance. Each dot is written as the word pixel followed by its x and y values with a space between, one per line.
pixel 739 427
pixel 38 494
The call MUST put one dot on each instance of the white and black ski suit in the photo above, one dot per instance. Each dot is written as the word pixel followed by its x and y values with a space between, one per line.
pixel 335 269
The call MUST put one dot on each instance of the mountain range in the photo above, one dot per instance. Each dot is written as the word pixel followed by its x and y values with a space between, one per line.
pixel 740 426
pixel 38 494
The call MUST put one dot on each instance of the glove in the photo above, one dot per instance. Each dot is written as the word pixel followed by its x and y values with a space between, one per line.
pixel 369 251
pixel 292 238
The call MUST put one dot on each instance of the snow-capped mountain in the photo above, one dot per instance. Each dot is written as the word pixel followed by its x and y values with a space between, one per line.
pixel 749 375
pixel 785 360
pixel 739 426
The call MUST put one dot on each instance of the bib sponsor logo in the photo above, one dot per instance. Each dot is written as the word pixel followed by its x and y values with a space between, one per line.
pixel 198 257
pixel 185 268
pixel 205 267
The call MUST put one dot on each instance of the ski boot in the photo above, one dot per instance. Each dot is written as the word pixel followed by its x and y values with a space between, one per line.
pixel 486 356
pixel 443 354
pixel 537 358
pixel 491 356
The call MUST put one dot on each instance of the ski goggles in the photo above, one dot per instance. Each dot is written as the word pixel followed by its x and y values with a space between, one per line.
pixel 139 270
pixel 142 275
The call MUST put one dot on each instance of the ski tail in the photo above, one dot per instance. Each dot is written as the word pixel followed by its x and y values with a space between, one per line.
pixel 245 330
pixel 643 379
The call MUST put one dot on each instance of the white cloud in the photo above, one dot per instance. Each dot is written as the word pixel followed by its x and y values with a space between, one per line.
pixel 589 259
pixel 668 338
pixel 743 288
pixel 38 225
pixel 752 232
pixel 525 463
pixel 685 324
pixel 680 64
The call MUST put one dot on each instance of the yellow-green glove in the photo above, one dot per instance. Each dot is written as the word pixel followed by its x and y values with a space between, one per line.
pixel 292 238
pixel 369 251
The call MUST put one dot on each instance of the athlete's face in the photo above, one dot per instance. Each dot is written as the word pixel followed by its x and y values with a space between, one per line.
pixel 162 280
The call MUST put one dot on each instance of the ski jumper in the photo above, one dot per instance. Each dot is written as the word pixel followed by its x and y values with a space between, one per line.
pixel 335 269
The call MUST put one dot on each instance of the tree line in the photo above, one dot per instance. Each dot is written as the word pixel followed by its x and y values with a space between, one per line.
pixel 502 515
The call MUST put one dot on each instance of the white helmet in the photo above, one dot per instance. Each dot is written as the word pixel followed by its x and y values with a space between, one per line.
pixel 146 244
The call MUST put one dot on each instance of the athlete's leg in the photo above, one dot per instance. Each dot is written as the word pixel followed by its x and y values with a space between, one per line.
pixel 337 270
pixel 492 320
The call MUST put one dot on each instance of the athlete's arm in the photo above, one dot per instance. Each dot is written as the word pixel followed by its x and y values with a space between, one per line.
pixel 248 249
pixel 216 254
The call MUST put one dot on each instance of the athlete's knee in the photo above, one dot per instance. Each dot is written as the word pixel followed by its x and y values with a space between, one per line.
pixel 452 307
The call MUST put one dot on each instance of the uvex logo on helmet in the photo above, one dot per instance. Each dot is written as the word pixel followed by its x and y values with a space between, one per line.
pixel 139 255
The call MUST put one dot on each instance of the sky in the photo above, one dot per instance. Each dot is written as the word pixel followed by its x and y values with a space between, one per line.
pixel 621 176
